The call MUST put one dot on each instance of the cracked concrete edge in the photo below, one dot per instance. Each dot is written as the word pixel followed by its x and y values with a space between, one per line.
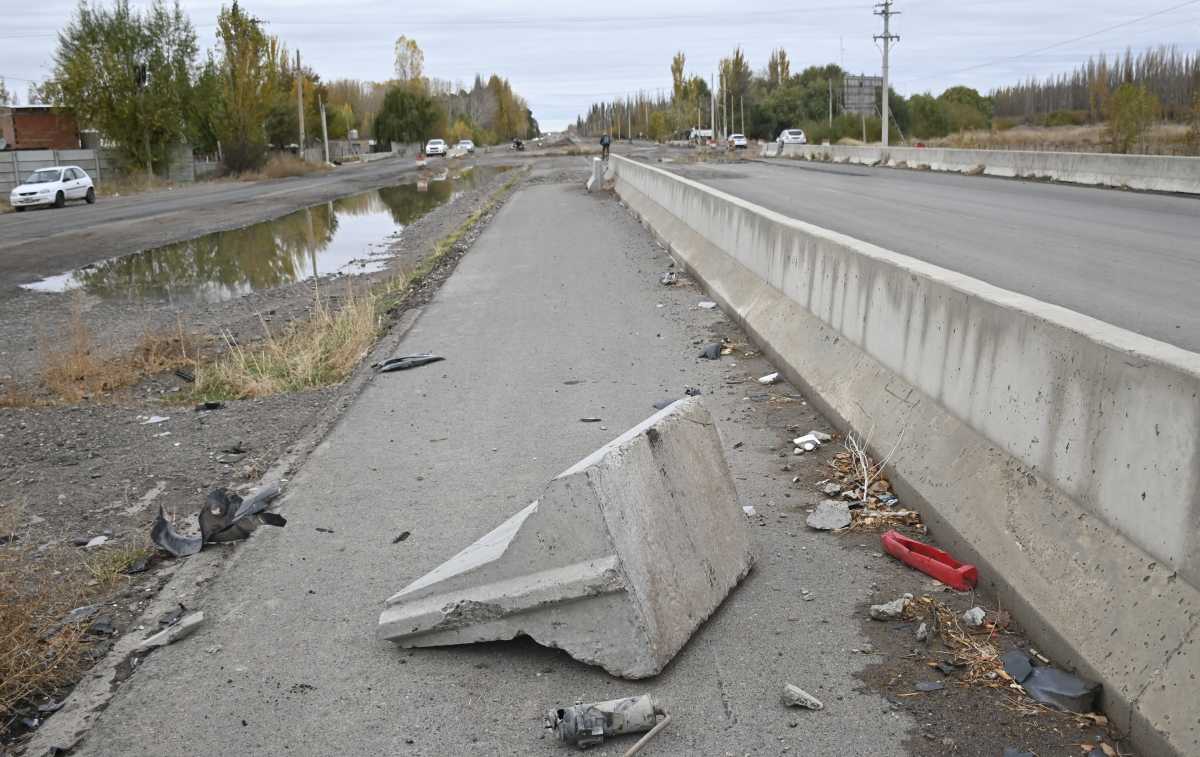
pixel 1086 594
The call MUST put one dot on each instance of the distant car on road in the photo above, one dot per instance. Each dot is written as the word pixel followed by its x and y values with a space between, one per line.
pixel 737 141
pixel 466 144
pixel 436 147
pixel 792 137
pixel 53 187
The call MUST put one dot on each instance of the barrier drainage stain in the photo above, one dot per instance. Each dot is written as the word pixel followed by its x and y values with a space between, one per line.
pixel 350 235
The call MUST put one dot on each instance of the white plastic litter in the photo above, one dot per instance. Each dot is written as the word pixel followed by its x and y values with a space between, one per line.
pixel 770 378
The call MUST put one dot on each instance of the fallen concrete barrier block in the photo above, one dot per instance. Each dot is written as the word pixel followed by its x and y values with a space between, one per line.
pixel 618 562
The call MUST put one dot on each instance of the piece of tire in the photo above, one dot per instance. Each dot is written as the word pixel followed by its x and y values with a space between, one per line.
pixel 90 197
pixel 60 200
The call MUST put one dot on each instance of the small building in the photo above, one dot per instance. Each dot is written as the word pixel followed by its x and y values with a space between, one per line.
pixel 38 127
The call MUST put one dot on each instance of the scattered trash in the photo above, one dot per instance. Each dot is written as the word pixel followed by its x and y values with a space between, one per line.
pixel 226 517
pixel 811 441
pixel 706 304
pixel 711 352
pixel 1051 686
pixel 928 686
pixel 830 515
pixel 187 376
pixel 174 632
pixel 50 707
pixel 585 725
pixel 769 379
pixel 931 561
pixel 79 615
pixel 692 391
pixel 669 278
pixel 205 407
pixel 324 530
pixel 102 626
pixel 922 632
pixel 403 535
pixel 164 535
pixel 794 696
pixel 891 610
pixel 96 541
pixel 749 510
pixel 154 420
pixel 590 419
pixel 404 362
pixel 974 617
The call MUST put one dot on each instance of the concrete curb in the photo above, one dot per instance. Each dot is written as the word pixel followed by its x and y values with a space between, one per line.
pixel 974 377
pixel 1157 173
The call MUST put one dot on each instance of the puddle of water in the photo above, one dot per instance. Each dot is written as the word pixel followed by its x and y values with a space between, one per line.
pixel 349 235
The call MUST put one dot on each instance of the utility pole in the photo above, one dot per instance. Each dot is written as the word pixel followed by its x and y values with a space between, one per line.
pixel 629 116
pixel 830 103
pixel 884 8
pixel 324 128
pixel 742 109
pixel 300 102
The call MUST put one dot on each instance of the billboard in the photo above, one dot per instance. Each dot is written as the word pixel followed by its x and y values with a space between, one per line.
pixel 860 93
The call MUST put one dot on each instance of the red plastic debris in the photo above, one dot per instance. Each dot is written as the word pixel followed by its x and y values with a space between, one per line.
pixel 931 561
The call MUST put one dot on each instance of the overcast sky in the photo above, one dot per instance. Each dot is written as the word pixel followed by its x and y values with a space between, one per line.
pixel 563 55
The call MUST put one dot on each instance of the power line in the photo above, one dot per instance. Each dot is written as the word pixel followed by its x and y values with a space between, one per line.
pixel 1062 43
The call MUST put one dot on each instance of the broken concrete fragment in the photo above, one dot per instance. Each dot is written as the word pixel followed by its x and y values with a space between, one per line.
pixel 830 515
pixel 974 617
pixel 618 562
pixel 922 632
pixel 794 696
pixel 891 610
pixel 172 634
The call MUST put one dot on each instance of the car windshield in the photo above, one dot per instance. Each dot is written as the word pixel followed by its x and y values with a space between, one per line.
pixel 44 176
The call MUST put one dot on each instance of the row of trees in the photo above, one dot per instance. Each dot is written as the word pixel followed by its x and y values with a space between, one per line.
pixel 1170 76
pixel 759 104
pixel 137 77
pixel 1128 95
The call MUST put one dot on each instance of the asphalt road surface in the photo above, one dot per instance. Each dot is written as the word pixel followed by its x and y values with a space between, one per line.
pixel 1128 258
pixel 40 243
pixel 541 325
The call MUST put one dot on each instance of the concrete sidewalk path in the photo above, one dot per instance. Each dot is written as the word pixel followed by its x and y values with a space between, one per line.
pixel 554 315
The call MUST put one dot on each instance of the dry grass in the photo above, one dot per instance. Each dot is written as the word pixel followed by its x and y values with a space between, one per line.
pixel 36 657
pixel 1162 139
pixel 108 566
pixel 74 367
pixel 283 165
pixel 119 184
pixel 319 351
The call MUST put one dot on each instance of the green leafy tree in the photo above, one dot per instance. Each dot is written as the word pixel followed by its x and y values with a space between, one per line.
pixel 1129 112
pixel 245 89
pixel 128 74
pixel 406 116
pixel 205 107
pixel 660 126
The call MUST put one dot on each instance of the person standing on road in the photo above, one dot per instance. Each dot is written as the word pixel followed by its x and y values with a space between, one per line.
pixel 605 141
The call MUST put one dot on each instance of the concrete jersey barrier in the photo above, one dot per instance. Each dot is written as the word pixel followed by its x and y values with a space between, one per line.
pixel 1161 173
pixel 1059 453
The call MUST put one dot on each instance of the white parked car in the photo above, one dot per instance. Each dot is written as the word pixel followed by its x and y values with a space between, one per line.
pixel 737 141
pixel 792 137
pixel 466 144
pixel 437 147
pixel 53 186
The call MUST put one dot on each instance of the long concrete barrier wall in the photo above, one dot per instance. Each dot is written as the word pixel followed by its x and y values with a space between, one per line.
pixel 1059 453
pixel 1162 173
